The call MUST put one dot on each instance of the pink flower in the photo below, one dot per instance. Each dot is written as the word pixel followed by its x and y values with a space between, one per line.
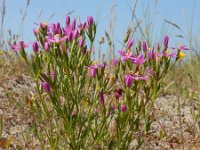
pixel 181 47
pixel 56 38
pixel 168 54
pixel 93 69
pixel 139 60
pixel 55 28
pixel 126 55
pixel 66 30
pixel 19 46
pixel 128 80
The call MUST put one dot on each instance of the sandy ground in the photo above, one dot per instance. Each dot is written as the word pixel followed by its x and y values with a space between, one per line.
pixel 173 126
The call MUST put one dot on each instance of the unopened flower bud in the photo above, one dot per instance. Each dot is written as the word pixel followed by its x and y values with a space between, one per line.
pixel 123 108
pixel 81 42
pixel 67 20
pixel 144 46
pixel 128 32
pixel 46 86
pixel 101 97
pixel 35 46
pixel 90 21
pixel 130 43
pixel 36 31
pixel 75 34
pixel 166 40
pixel 46 46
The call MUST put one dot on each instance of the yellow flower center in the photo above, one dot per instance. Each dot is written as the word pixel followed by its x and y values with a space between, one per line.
pixel 181 55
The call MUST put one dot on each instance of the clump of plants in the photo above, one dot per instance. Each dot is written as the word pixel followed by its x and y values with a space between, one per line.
pixel 84 104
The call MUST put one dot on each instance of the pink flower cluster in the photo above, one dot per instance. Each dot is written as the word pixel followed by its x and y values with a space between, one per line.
pixel 54 33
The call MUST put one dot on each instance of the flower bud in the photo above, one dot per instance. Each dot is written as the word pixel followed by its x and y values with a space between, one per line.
pixel 84 49
pixel 67 20
pixel 158 47
pixel 144 46
pixel 152 54
pixel 75 34
pixel 46 46
pixel 81 42
pixel 73 25
pixel 118 93
pixel 35 46
pixel 43 25
pixel 92 71
pixel 166 40
pixel 36 31
pixel 46 86
pixel 101 97
pixel 90 21
pixel 130 43
pixel 70 36
pixel 128 32
pixel 56 28
pixel 123 108
pixel 128 80
pixel 82 26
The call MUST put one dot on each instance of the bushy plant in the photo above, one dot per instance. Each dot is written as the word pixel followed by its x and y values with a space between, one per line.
pixel 83 104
